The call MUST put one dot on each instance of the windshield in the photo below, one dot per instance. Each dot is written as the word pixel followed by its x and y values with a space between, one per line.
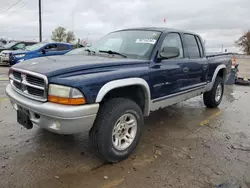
pixel 35 46
pixel 77 51
pixel 9 45
pixel 131 43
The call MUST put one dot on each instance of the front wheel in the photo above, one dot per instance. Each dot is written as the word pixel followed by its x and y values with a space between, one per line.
pixel 117 129
pixel 212 98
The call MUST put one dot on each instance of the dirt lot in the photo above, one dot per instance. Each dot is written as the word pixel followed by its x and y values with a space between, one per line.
pixel 185 145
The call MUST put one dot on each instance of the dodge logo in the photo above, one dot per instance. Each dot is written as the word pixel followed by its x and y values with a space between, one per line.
pixel 23 76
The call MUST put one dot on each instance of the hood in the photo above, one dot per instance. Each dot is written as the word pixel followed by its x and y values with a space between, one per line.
pixel 6 51
pixel 1 49
pixel 58 65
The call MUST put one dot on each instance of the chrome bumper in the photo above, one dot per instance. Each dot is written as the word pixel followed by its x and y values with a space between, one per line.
pixel 61 119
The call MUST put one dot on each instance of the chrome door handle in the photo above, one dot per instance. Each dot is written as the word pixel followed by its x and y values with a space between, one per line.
pixel 205 67
pixel 185 69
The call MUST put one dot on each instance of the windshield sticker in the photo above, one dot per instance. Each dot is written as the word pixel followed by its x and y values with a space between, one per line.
pixel 147 41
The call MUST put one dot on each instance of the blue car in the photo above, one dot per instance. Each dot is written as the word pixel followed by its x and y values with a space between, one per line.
pixel 40 50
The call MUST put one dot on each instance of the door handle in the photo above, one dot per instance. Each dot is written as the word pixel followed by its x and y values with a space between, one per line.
pixel 185 69
pixel 205 67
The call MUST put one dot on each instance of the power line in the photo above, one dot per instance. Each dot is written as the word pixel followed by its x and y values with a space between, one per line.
pixel 40 20
pixel 24 4
pixel 11 6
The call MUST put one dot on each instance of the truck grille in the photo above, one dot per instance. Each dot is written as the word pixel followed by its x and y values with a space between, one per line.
pixel 29 84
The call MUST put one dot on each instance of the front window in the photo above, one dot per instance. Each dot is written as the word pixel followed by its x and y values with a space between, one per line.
pixel 35 46
pixel 136 44
pixel 20 46
pixel 173 40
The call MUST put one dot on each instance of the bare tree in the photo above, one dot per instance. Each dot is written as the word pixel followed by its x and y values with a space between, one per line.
pixel 70 36
pixel 244 42
pixel 59 34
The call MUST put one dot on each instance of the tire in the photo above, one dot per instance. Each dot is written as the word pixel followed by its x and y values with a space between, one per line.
pixel 101 134
pixel 209 97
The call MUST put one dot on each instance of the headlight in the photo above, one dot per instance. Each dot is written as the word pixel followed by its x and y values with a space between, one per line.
pixel 20 55
pixel 65 95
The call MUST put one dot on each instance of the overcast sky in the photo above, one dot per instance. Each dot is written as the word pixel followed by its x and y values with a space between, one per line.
pixel 217 21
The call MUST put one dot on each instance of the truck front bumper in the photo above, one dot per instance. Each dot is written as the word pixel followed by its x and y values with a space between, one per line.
pixel 61 119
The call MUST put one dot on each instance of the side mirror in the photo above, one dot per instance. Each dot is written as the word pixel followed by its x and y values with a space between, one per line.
pixel 43 51
pixel 169 52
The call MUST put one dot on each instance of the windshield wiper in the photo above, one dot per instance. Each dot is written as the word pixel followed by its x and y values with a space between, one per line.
pixel 112 52
pixel 88 50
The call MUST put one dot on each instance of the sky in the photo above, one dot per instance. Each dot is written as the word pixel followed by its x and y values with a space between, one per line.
pixel 219 22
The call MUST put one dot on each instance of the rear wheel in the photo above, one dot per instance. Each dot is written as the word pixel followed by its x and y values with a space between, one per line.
pixel 212 98
pixel 117 129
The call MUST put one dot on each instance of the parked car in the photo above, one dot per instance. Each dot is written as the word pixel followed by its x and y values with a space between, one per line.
pixel 124 76
pixel 40 50
pixel 16 45
pixel 10 47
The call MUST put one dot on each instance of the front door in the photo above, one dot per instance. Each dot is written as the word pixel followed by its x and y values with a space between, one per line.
pixel 50 49
pixel 169 76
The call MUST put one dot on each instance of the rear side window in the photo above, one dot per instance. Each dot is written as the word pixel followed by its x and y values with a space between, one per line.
pixel 192 46
pixel 200 46
pixel 62 47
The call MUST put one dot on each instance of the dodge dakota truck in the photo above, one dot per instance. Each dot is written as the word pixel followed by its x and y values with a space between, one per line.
pixel 120 79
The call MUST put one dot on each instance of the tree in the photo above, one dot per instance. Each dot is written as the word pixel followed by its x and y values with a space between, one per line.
pixel 70 36
pixel 244 42
pixel 59 34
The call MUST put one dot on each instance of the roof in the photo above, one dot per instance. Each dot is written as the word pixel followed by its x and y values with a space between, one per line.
pixel 159 29
pixel 45 43
pixel 59 43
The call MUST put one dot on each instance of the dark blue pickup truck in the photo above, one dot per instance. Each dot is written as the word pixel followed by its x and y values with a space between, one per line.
pixel 121 78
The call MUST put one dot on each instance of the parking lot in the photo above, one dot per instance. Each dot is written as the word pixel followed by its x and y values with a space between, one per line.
pixel 185 145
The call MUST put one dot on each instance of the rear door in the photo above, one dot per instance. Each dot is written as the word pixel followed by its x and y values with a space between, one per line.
pixel 197 65
pixel 62 48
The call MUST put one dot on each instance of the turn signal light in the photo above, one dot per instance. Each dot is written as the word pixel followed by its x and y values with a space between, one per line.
pixel 67 101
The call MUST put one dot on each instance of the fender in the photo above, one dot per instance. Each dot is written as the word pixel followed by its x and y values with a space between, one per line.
pixel 127 82
pixel 210 85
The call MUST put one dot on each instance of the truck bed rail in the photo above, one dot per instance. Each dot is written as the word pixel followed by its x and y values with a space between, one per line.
pixel 222 54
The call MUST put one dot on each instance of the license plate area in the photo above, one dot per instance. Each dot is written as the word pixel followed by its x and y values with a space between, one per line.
pixel 23 117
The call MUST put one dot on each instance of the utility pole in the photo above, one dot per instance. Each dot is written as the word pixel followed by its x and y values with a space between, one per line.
pixel 40 21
